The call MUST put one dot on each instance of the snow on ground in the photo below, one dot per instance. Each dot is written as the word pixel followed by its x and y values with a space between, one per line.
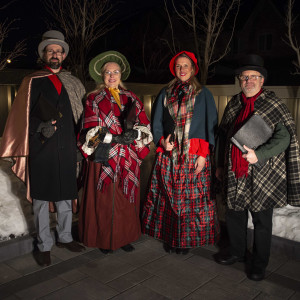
pixel 286 222
pixel 16 218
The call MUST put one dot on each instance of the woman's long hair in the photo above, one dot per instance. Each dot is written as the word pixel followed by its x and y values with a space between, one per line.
pixel 101 86
pixel 194 82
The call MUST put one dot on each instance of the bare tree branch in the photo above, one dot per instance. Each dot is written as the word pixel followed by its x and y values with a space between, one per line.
pixel 8 55
pixel 185 16
pixel 220 26
pixel 83 22
pixel 18 51
pixel 173 49
pixel 290 37
pixel 4 6
pixel 206 21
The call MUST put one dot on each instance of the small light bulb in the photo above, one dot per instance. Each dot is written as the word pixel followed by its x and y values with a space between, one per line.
pixel 8 61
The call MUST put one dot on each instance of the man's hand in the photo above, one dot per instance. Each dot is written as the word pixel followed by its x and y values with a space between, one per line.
pixel 250 157
pixel 199 165
pixel 168 146
pixel 47 129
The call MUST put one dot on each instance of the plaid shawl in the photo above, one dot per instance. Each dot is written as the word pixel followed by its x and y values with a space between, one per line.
pixel 182 116
pixel 277 182
pixel 102 110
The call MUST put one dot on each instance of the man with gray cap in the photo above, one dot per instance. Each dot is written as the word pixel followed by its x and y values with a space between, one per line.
pixel 261 179
pixel 40 137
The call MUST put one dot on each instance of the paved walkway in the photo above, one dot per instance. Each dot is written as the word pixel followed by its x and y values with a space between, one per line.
pixel 147 273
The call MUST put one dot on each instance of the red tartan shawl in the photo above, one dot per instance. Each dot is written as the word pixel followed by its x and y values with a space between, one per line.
pixel 102 110
pixel 182 112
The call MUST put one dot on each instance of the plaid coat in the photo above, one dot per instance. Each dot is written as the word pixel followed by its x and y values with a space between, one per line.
pixel 277 182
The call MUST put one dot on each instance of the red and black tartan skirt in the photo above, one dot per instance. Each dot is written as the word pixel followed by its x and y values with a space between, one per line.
pixel 179 208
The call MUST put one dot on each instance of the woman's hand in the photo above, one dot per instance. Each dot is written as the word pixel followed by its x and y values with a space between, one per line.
pixel 199 165
pixel 168 146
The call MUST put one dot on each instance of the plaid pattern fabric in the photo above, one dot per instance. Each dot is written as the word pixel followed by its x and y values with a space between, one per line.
pixel 182 117
pixel 277 182
pixel 102 110
pixel 180 209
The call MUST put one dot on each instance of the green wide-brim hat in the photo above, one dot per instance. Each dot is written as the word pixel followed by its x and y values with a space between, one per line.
pixel 97 63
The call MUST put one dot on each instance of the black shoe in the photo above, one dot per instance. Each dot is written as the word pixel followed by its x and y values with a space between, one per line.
pixel 257 276
pixel 183 251
pixel 168 248
pixel 72 246
pixel 229 259
pixel 43 258
pixel 128 248
pixel 105 251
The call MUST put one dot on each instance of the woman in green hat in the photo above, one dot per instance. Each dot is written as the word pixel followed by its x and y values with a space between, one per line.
pixel 114 138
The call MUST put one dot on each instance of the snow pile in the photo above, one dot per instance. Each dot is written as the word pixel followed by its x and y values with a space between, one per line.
pixel 16 218
pixel 286 222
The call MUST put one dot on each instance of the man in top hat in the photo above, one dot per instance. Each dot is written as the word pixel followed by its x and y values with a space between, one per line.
pixel 40 137
pixel 262 179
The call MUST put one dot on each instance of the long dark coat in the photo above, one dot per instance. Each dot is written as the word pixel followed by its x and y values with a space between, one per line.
pixel 52 163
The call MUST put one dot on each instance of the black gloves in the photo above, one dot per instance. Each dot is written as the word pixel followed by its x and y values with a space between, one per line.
pixel 126 138
pixel 101 154
pixel 47 129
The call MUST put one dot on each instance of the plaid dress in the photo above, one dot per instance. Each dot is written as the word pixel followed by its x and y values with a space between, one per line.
pixel 180 208
pixel 277 182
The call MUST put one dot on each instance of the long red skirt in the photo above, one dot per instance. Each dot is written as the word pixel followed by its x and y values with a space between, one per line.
pixel 107 219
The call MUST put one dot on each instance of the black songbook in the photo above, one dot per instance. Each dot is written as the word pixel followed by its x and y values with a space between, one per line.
pixel 253 133
pixel 45 111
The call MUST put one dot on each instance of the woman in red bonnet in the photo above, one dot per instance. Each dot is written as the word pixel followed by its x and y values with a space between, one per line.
pixel 180 209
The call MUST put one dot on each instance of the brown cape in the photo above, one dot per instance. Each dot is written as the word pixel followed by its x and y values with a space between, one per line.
pixel 15 139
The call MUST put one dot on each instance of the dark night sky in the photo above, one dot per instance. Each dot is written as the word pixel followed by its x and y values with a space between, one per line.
pixel 31 19
pixel 31 22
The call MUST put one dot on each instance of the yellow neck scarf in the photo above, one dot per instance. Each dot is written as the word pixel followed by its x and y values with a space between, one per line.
pixel 116 94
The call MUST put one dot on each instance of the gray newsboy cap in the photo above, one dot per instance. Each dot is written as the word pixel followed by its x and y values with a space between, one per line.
pixel 52 37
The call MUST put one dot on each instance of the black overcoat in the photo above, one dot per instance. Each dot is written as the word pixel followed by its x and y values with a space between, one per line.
pixel 52 162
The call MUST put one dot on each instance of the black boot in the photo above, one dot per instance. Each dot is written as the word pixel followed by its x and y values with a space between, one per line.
pixel 168 249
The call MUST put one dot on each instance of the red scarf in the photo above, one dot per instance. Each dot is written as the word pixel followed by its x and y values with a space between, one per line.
pixel 55 80
pixel 239 164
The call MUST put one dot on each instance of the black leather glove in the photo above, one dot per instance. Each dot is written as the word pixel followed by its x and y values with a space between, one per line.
pixel 101 153
pixel 126 138
pixel 47 129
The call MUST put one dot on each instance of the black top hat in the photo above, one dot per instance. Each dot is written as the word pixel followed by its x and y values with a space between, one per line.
pixel 252 62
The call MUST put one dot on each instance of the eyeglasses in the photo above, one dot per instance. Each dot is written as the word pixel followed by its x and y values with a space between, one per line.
pixel 250 77
pixel 109 73
pixel 58 53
